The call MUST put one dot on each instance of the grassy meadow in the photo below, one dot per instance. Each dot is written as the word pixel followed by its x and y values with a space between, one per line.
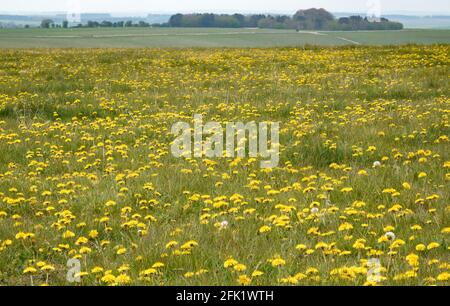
pixel 86 170
pixel 208 38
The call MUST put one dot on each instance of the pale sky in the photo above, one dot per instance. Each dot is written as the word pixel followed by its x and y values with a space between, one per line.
pixel 183 6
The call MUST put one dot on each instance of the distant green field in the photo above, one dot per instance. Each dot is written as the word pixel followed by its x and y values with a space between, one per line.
pixel 201 37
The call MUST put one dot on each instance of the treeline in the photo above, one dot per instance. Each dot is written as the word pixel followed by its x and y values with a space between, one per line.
pixel 48 23
pixel 311 19
pixel 353 23
pixel 216 21
pixel 118 24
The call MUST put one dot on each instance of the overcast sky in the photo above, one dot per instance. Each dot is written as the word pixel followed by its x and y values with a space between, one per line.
pixel 263 6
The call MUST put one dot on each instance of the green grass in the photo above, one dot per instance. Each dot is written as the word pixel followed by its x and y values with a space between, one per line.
pixel 81 127
pixel 207 37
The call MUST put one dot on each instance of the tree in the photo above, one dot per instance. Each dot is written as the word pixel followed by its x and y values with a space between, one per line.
pixel 106 24
pixel 314 13
pixel 128 24
pixel 46 23
pixel 207 20
pixel 240 18
pixel 252 21
pixel 313 19
pixel 92 24
pixel 65 24
pixel 143 24
pixel 226 21
pixel 175 20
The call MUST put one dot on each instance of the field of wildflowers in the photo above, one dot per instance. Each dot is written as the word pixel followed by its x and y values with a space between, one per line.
pixel 88 183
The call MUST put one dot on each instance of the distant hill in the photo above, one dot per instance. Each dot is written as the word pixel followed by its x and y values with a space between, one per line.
pixel 35 20
pixel 414 22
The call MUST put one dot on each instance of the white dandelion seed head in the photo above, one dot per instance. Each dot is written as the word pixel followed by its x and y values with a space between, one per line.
pixel 224 224
pixel 377 164
pixel 314 210
pixel 390 235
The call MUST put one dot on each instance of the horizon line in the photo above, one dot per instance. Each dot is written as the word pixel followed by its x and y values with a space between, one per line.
pixel 139 14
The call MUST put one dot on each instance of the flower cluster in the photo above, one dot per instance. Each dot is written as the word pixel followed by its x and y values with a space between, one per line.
pixel 86 171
